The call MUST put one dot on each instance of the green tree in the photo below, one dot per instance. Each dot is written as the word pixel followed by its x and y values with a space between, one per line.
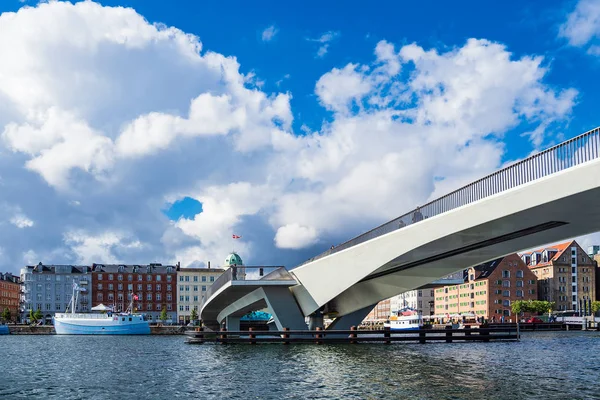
pixel 194 315
pixel 163 314
pixel 6 315
pixel 31 316
pixel 595 306
pixel 38 315
pixel 532 306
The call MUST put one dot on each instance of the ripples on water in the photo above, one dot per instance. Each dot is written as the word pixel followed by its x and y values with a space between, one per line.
pixel 553 365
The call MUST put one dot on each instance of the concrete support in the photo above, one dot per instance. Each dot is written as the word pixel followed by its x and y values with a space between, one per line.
pixel 232 323
pixel 344 322
pixel 315 320
pixel 283 307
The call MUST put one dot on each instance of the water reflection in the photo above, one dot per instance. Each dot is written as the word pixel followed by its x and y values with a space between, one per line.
pixel 542 366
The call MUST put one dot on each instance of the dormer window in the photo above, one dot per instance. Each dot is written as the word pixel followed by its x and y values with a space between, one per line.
pixel 169 270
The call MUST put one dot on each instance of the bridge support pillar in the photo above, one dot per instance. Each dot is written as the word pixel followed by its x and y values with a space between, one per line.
pixel 232 323
pixel 283 307
pixel 344 322
pixel 315 320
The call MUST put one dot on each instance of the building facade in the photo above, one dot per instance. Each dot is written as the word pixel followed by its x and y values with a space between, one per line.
pixel 10 295
pixel 192 286
pixel 49 288
pixel 153 287
pixel 566 274
pixel 421 300
pixel 380 312
pixel 489 290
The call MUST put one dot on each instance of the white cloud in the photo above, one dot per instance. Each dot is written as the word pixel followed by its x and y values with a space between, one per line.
pixel 325 39
pixel 126 116
pixel 294 236
pixel 583 24
pixel 269 33
pixel 21 221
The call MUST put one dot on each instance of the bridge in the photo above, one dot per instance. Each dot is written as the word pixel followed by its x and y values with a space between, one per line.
pixel 550 196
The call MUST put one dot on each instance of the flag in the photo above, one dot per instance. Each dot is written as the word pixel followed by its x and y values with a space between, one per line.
pixel 135 297
pixel 236 237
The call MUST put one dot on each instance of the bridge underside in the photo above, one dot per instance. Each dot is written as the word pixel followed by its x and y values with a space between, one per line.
pixel 554 208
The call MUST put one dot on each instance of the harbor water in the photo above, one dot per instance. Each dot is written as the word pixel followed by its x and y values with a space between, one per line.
pixel 543 365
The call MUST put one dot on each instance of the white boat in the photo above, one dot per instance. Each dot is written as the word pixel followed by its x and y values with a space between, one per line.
pixel 404 320
pixel 106 323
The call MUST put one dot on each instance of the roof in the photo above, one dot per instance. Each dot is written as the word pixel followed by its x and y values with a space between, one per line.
pixel 483 271
pixel 8 277
pixel 233 259
pixel 60 269
pixel 155 268
pixel 560 249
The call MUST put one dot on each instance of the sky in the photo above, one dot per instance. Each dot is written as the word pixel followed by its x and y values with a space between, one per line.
pixel 148 131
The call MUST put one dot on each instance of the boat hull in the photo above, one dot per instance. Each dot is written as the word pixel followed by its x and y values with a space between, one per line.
pixel 102 327
pixel 4 330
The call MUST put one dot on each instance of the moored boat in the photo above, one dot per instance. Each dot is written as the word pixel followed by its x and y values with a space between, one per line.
pixel 405 319
pixel 105 323
pixel 4 330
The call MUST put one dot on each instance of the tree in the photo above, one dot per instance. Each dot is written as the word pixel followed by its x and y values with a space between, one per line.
pixel 6 315
pixel 31 316
pixel 595 306
pixel 38 315
pixel 194 315
pixel 532 306
pixel 163 314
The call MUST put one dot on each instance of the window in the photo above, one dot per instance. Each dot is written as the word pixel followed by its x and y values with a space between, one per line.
pixel 149 306
pixel 168 278
pixel 187 298
pixel 196 278
pixel 120 286
pixel 139 278
pixel 168 288
pixel 169 297
pixel 57 297
pixel 212 279
pixel 158 278
pixel 149 287
pixel 181 308
pixel 120 297
pixel 158 287
pixel 149 296
pixel 187 278
pixel 111 296
pixel 100 297
pixel 139 286
pixel 187 288
pixel 181 288
pixel 168 307
pixel 195 298
pixel 506 274
pixel 158 297
pixel 129 278
pixel 203 278
pixel 531 291
pixel 506 303
pixel 110 286
pixel 149 278
pixel 506 293
pixel 110 277
pixel 181 298
pixel 57 307
pixel 99 277
pixel 519 273
pixel 519 283
pixel 119 277
pixel 195 288
pixel 519 293
pixel 506 284
pixel 130 287
pixel 181 278
pixel 204 288
pixel 187 308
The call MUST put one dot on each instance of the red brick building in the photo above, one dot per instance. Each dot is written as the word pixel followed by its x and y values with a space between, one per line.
pixel 10 288
pixel 155 286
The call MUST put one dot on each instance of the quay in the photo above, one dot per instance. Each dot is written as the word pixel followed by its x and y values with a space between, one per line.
pixel 353 336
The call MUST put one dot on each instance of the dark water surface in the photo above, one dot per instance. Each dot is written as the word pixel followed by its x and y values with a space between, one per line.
pixel 552 365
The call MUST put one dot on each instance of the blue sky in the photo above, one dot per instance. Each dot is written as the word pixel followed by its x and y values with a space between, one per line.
pixel 139 183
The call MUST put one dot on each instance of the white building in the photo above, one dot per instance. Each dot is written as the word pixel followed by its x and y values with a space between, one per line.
pixel 193 284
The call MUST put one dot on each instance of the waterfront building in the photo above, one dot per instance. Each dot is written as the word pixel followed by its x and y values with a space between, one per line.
pixel 154 285
pixel 192 286
pixel 10 294
pixel 380 312
pixel 597 272
pixel 489 290
pixel 593 251
pixel 49 288
pixel 566 274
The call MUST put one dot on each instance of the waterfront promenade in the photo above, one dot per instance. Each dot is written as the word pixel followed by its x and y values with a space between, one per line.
pixel 544 365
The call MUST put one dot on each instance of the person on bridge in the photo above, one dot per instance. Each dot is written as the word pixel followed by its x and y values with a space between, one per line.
pixel 234 272
pixel 417 216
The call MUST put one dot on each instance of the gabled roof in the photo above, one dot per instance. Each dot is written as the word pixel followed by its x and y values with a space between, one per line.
pixel 483 271
pixel 560 248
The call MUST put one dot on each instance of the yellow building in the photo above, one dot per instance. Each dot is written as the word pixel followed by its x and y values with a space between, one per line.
pixel 192 284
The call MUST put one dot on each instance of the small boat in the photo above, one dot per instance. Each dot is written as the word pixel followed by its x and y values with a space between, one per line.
pixel 405 319
pixel 105 323
pixel 4 330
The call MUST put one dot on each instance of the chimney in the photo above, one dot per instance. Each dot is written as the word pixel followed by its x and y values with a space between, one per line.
pixel 209 264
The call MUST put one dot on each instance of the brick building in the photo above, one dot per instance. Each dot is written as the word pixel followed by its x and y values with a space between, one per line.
pixel 10 294
pixel 566 274
pixel 380 312
pixel 489 290
pixel 154 284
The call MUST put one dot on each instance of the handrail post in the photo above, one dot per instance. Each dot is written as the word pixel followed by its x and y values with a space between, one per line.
pixel 353 335
pixel 223 335
pixel 449 334
pixel 318 335
pixel 252 335
pixel 386 335
pixel 286 335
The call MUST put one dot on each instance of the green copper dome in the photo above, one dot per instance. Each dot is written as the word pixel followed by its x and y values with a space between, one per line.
pixel 233 259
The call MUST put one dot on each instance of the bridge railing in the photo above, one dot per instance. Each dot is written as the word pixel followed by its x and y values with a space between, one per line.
pixel 578 150
pixel 248 273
